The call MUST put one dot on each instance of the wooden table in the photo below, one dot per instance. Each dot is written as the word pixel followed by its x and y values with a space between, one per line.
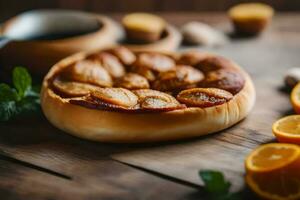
pixel 38 161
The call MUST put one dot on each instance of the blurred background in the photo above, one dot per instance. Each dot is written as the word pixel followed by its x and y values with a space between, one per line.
pixel 9 8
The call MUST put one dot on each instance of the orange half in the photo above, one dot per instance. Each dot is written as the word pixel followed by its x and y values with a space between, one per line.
pixel 287 129
pixel 273 171
pixel 295 98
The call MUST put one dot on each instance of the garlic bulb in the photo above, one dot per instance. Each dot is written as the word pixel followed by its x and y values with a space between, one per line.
pixel 198 33
pixel 292 77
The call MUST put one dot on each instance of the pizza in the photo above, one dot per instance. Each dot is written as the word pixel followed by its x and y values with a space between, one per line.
pixel 116 95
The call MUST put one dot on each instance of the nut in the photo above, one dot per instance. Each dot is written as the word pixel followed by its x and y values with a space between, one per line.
pixel 87 71
pixel 72 89
pixel 229 80
pixel 181 77
pixel 204 97
pixel 292 77
pixel 132 81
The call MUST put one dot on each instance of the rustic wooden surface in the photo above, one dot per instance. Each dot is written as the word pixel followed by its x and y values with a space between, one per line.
pixel 38 161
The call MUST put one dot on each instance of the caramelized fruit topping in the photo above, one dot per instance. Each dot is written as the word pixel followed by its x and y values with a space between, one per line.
pixel 125 55
pixel 115 96
pixel 192 58
pixel 158 103
pixel 110 63
pixel 229 80
pixel 156 100
pixel 204 97
pixel 181 77
pixel 143 93
pixel 90 102
pixel 89 82
pixel 213 63
pixel 150 64
pixel 88 72
pixel 71 88
pixel 132 81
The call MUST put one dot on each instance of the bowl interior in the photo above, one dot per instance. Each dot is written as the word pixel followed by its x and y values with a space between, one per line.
pixel 50 24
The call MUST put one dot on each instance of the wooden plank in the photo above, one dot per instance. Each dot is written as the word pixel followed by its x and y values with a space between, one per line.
pixel 19 182
pixel 92 173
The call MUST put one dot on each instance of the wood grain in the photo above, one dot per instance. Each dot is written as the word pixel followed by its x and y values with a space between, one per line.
pixel 33 153
pixel 30 152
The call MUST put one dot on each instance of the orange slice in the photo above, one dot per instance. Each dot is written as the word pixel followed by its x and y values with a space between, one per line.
pixel 287 129
pixel 273 171
pixel 295 98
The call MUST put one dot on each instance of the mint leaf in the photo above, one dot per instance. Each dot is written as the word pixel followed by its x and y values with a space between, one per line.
pixel 22 99
pixel 8 110
pixel 28 105
pixel 22 81
pixel 217 187
pixel 7 93
pixel 214 182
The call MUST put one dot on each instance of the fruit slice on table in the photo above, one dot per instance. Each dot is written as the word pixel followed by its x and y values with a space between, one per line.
pixel 273 171
pixel 287 129
pixel 295 98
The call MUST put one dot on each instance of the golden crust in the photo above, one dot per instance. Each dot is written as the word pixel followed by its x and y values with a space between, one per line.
pixel 108 126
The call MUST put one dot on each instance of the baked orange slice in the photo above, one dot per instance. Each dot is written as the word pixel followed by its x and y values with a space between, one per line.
pixel 287 129
pixel 295 98
pixel 273 171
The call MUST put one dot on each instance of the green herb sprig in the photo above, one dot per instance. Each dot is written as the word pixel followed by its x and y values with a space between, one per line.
pixel 217 187
pixel 20 99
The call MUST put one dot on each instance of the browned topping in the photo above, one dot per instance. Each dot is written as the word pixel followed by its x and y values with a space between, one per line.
pixel 150 64
pixel 159 103
pixel 89 102
pixel 124 55
pixel 132 81
pixel 229 80
pixel 88 72
pixel 115 96
pixel 181 77
pixel 72 89
pixel 214 63
pixel 217 78
pixel 156 62
pixel 192 58
pixel 204 97
pixel 110 63
pixel 143 93
pixel 156 100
